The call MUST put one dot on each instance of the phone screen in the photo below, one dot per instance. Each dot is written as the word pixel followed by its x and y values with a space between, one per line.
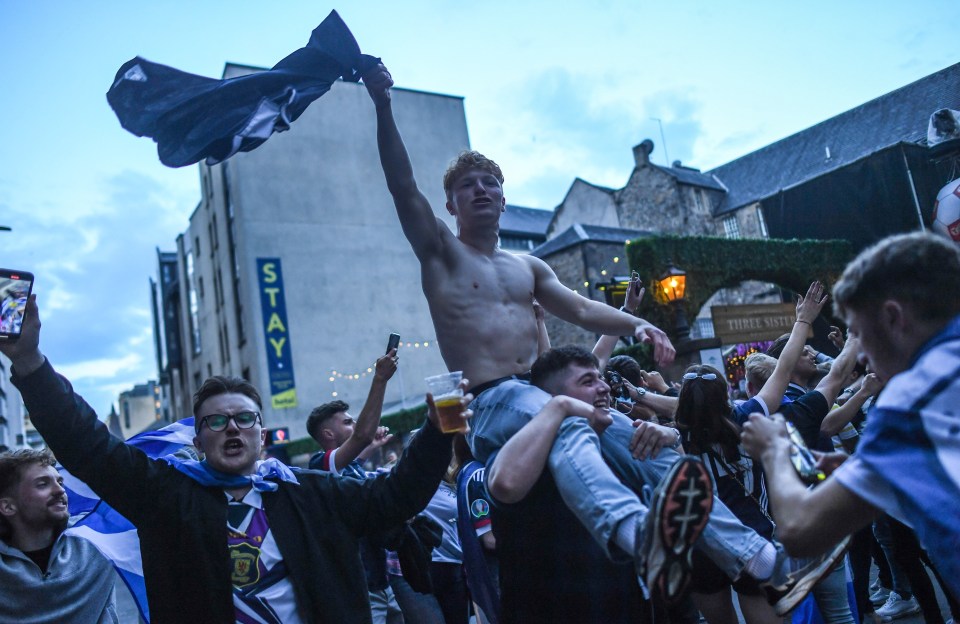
pixel 15 288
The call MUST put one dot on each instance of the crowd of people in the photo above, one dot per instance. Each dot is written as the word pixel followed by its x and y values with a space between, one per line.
pixel 585 489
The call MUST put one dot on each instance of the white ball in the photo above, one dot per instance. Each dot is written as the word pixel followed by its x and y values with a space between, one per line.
pixel 946 211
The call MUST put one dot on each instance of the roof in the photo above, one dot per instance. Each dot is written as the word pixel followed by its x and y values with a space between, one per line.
pixel 692 177
pixel 520 220
pixel 581 232
pixel 897 117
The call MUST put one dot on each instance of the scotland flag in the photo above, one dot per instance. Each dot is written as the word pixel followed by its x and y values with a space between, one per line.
pixel 193 117
pixel 110 532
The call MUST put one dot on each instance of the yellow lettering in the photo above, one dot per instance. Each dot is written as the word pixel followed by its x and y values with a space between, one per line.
pixel 275 323
pixel 273 295
pixel 278 345
pixel 268 271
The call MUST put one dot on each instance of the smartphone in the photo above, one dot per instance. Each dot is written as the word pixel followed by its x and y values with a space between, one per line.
pixel 393 342
pixel 15 289
pixel 635 278
pixel 803 460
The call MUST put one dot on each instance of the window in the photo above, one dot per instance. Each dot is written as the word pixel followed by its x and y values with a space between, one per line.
pixel 763 223
pixel 731 228
pixel 698 198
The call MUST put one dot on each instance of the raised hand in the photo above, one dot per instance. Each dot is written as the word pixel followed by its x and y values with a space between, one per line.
pixel 24 351
pixel 378 82
pixel 809 306
pixel 663 351
pixel 386 366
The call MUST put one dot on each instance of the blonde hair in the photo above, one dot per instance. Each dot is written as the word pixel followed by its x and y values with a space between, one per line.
pixel 759 367
pixel 468 160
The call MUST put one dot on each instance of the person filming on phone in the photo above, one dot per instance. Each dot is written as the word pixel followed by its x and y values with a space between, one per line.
pixel 231 538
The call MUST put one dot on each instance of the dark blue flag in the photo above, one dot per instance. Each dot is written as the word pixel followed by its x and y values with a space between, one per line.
pixel 193 117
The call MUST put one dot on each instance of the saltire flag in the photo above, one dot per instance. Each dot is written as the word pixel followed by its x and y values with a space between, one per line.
pixel 110 532
pixel 193 117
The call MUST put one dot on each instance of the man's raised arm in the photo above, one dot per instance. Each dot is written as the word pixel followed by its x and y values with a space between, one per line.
pixel 420 225
pixel 808 308
pixel 593 315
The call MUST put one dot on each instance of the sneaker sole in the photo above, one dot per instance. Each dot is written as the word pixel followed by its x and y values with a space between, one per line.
pixel 798 592
pixel 890 617
pixel 681 515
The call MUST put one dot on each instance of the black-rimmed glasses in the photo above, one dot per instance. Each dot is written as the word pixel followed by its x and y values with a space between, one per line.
pixel 707 376
pixel 218 422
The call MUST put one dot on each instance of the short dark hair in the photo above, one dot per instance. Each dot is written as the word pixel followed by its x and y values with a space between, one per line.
pixel 544 371
pixel 320 414
pixel 222 384
pixel 628 368
pixel 919 269
pixel 12 466
pixel 775 349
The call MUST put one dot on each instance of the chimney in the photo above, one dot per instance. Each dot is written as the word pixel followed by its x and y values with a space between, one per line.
pixel 641 153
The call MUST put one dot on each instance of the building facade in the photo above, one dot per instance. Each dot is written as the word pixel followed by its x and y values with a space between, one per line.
pixel 294 270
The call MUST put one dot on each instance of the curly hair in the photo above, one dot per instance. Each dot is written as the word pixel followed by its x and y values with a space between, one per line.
pixel 466 161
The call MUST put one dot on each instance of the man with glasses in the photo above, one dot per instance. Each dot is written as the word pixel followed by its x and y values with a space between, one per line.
pixel 230 538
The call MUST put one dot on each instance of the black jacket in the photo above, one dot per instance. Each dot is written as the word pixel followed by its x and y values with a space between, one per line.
pixel 182 524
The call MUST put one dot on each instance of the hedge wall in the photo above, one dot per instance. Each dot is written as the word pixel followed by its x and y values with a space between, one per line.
pixel 712 263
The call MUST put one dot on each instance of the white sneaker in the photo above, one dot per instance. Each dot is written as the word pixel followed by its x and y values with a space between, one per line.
pixel 879 596
pixel 896 607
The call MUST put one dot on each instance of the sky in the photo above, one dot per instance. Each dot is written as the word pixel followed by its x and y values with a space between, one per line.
pixel 553 91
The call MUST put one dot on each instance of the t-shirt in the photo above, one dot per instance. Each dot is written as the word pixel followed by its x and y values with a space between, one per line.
pixel 262 592
pixel 908 461
pixel 807 412
pixel 551 570
pixel 442 509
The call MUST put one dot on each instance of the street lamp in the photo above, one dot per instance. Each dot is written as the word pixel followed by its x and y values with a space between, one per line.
pixel 673 286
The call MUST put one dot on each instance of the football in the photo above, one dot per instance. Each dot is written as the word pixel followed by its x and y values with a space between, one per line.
pixel 946 211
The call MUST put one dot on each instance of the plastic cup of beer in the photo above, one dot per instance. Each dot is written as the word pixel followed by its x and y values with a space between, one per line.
pixel 447 393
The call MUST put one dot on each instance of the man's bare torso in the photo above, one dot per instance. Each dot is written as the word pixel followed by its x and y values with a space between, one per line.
pixel 482 309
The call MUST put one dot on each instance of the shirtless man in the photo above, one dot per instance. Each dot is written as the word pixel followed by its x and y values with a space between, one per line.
pixel 481 302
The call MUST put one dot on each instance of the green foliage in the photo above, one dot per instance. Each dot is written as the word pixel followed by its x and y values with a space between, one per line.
pixel 712 263
pixel 301 446
pixel 406 420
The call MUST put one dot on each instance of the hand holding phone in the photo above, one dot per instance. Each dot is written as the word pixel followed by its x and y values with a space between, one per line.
pixel 393 342
pixel 15 289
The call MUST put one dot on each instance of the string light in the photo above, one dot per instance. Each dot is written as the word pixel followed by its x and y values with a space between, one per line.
pixel 336 375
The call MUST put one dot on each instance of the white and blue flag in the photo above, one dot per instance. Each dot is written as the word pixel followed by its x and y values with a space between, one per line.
pixel 110 532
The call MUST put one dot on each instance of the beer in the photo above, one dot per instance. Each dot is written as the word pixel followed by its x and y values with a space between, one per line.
pixel 448 412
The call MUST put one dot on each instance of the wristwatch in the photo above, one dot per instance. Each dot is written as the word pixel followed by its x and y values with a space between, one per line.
pixel 678 441
pixel 640 392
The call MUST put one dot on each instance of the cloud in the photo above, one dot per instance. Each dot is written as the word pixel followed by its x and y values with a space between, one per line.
pixel 556 125
pixel 92 263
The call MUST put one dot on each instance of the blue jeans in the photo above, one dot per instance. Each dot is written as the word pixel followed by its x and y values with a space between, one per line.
pixel 832 597
pixel 586 466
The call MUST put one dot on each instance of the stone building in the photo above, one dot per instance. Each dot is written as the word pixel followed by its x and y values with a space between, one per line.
pixel 860 176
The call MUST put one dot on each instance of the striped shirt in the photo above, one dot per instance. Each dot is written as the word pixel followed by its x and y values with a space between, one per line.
pixel 908 463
